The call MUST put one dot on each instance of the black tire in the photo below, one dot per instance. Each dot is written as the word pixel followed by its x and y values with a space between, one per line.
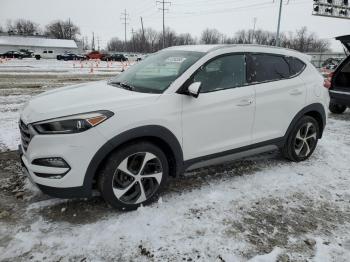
pixel 336 108
pixel 37 57
pixel 110 176
pixel 294 144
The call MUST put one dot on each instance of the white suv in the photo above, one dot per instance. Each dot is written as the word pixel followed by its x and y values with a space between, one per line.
pixel 181 108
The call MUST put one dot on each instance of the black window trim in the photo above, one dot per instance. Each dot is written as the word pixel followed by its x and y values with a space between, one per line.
pixel 183 89
pixel 284 58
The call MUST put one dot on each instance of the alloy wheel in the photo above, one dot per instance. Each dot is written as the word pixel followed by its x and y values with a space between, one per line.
pixel 137 178
pixel 305 140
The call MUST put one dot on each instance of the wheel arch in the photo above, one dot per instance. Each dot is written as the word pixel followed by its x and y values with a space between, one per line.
pixel 316 111
pixel 158 135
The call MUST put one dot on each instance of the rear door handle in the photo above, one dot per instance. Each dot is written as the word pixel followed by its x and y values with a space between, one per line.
pixel 296 92
pixel 245 102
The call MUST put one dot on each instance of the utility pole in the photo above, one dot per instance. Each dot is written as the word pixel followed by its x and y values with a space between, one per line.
pixel 163 9
pixel 279 24
pixel 143 35
pixel 125 18
pixel 254 20
pixel 93 42
pixel 133 39
pixel 70 29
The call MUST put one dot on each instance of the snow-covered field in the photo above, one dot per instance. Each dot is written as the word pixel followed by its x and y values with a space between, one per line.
pixel 258 209
pixel 53 66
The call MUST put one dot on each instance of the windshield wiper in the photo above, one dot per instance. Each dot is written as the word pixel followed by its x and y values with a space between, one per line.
pixel 123 85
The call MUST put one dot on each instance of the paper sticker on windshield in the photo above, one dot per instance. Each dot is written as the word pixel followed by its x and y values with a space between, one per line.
pixel 175 59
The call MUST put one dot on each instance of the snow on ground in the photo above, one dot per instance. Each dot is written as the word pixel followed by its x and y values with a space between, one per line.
pixel 259 209
pixel 53 66
pixel 9 116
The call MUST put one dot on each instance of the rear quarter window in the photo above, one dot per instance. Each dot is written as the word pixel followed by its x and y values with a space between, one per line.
pixel 266 67
pixel 296 66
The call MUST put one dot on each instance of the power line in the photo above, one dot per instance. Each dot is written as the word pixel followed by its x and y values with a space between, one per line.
pixel 163 9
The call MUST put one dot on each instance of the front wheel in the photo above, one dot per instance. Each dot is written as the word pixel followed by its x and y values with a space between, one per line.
pixel 302 140
pixel 336 108
pixel 134 174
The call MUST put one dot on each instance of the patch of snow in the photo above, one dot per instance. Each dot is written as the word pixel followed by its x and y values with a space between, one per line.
pixel 267 257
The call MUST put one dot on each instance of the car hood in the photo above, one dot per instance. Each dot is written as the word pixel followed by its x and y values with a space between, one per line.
pixel 82 98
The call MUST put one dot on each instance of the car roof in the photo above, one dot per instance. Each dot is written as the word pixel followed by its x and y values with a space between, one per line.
pixel 241 48
pixel 211 48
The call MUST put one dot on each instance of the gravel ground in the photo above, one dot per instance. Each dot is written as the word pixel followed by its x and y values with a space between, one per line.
pixel 261 208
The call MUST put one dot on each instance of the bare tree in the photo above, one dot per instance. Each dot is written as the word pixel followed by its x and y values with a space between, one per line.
pixel 301 40
pixel 185 39
pixel 115 44
pixel 304 41
pixel 22 27
pixel 210 36
pixel 62 29
pixel 151 37
pixel 1 29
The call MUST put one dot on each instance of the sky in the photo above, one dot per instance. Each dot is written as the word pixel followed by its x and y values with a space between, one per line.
pixel 103 17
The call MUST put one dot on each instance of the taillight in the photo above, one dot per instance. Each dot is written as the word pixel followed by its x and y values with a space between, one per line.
pixel 328 81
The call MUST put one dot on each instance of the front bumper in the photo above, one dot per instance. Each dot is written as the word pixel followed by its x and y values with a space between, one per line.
pixel 76 149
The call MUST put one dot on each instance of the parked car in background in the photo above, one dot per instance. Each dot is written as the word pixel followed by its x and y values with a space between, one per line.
pixel 12 54
pixel 45 54
pixel 182 108
pixel 338 82
pixel 27 53
pixel 95 55
pixel 115 57
pixel 331 63
pixel 133 57
pixel 71 56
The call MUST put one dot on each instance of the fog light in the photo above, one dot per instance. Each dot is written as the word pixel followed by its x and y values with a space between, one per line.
pixel 51 162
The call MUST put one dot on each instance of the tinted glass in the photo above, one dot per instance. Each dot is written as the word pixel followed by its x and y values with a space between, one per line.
pixel 222 73
pixel 265 67
pixel 296 66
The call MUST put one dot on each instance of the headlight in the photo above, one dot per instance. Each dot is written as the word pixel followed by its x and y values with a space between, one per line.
pixel 72 124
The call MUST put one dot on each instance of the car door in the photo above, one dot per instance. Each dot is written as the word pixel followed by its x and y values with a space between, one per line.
pixel 280 95
pixel 221 117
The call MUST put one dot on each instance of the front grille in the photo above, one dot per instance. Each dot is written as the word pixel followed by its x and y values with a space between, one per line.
pixel 26 135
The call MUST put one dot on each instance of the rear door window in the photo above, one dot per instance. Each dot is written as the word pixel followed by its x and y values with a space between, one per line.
pixel 266 67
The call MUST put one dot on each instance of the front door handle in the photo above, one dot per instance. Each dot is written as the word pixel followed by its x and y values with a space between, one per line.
pixel 245 102
pixel 296 92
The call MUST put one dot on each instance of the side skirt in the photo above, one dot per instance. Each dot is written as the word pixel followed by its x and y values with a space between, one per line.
pixel 233 154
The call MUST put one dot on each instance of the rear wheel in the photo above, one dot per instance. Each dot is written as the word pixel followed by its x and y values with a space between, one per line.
pixel 133 175
pixel 302 140
pixel 336 108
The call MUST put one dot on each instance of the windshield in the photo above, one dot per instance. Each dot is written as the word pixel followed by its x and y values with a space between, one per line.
pixel 158 71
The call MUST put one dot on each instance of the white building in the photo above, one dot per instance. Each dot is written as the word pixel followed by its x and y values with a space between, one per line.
pixel 39 45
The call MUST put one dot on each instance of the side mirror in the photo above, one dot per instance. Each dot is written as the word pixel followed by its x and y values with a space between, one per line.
pixel 194 89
